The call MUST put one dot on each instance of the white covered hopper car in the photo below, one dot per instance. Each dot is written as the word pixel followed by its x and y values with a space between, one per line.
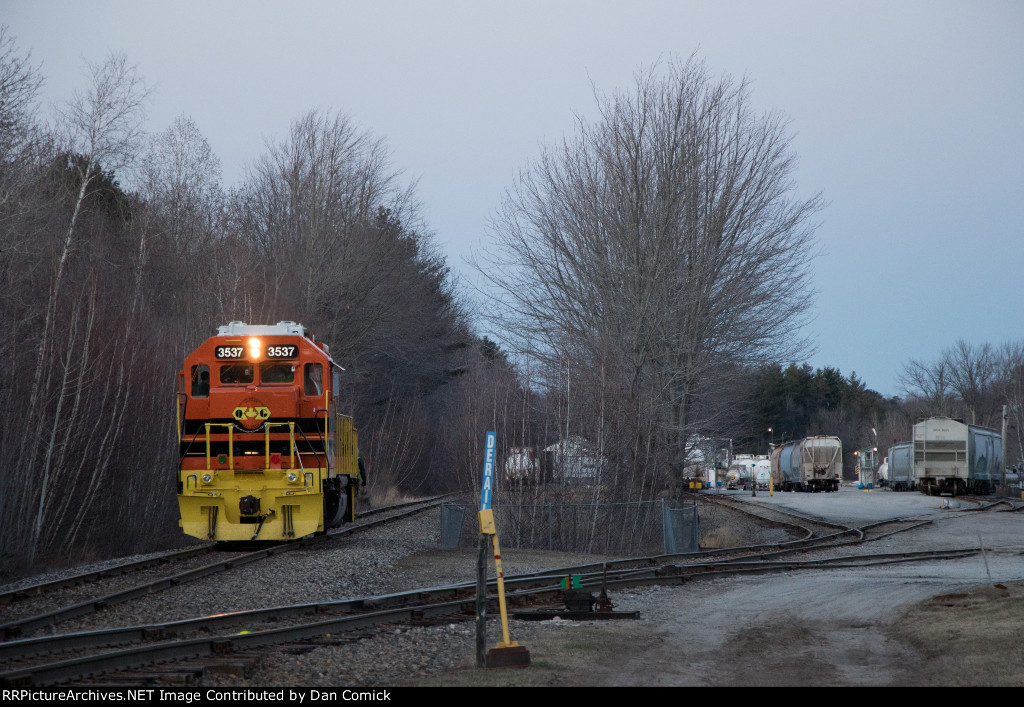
pixel 953 457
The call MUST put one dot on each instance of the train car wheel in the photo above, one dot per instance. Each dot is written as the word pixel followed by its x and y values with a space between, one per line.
pixel 336 499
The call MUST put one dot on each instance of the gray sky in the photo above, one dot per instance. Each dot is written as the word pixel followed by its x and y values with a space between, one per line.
pixel 909 118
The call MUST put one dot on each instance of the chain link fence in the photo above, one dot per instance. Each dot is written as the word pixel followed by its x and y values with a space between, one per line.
pixel 615 529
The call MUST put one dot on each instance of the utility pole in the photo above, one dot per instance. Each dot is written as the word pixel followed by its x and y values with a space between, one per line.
pixel 1003 490
pixel 874 461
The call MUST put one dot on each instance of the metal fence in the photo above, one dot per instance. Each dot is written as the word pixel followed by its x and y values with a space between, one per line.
pixel 616 529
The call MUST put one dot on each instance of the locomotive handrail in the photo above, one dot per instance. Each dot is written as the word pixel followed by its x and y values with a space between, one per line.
pixel 312 449
pixel 291 437
pixel 231 445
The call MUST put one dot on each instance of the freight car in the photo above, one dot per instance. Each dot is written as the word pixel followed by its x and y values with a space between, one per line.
pixel 740 473
pixel 264 452
pixel 763 472
pixel 737 479
pixel 810 464
pixel 901 467
pixel 953 457
pixel 747 469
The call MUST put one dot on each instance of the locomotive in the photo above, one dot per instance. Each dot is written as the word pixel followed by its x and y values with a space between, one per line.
pixel 264 452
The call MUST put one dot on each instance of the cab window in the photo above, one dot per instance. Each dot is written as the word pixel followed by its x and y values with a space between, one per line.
pixel 200 381
pixel 236 373
pixel 277 373
pixel 314 379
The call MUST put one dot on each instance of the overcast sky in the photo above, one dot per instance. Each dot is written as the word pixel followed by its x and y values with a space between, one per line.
pixel 909 117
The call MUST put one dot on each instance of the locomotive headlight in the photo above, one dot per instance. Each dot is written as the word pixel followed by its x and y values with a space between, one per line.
pixel 207 478
pixel 292 477
pixel 254 348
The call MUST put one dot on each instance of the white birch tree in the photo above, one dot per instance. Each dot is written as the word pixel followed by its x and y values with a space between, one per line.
pixel 101 128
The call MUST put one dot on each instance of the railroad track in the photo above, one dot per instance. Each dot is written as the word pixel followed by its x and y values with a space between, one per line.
pixel 185 647
pixel 816 531
pixel 237 635
pixel 1005 505
pixel 29 618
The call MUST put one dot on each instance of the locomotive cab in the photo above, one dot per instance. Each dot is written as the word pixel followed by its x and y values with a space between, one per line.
pixel 264 452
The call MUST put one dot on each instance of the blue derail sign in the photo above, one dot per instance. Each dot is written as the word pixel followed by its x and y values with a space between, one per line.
pixel 488 488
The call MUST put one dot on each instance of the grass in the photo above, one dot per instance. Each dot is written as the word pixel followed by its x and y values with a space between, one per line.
pixel 970 638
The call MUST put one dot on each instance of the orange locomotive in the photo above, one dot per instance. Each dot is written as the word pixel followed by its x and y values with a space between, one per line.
pixel 265 455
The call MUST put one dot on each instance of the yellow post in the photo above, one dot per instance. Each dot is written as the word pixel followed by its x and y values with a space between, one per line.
pixel 487 528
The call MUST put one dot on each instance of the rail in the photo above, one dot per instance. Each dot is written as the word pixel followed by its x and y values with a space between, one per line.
pixel 351 614
pixel 17 627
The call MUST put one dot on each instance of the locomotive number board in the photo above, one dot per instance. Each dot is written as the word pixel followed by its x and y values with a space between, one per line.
pixel 282 351
pixel 236 352
pixel 229 352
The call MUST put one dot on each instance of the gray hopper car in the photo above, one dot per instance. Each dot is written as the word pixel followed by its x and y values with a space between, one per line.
pixel 956 458
pixel 811 464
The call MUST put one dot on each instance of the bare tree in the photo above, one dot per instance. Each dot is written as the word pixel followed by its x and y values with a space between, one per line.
pixel 181 178
pixel 653 250
pixel 20 82
pixel 20 177
pixel 307 194
pixel 962 382
pixel 972 374
pixel 20 174
pixel 930 384
pixel 1010 357
pixel 180 182
pixel 101 126
pixel 338 242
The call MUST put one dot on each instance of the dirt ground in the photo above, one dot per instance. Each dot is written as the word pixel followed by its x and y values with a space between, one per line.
pixel 949 623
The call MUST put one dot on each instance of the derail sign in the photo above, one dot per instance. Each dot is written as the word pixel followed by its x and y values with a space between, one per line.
pixel 485 496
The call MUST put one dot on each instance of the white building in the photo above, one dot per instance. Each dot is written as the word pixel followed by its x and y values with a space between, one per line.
pixel 575 458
